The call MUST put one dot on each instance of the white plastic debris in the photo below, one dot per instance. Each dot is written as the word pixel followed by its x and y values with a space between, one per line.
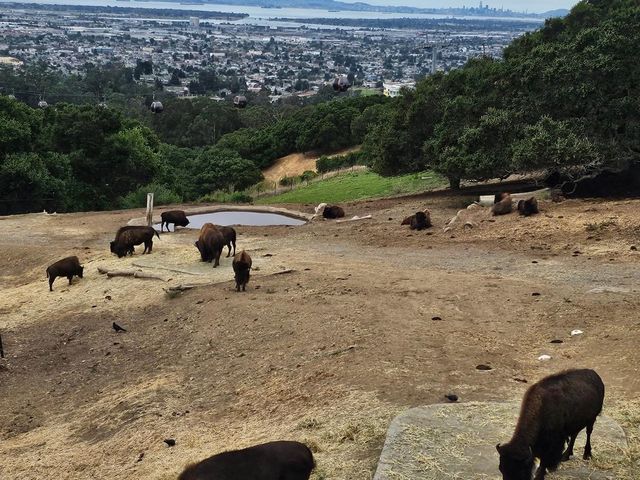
pixel 576 332
pixel 544 358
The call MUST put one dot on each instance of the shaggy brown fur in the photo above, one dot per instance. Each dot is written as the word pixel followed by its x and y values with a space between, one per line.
pixel 67 267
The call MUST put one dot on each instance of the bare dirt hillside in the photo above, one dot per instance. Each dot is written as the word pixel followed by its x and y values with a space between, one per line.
pixel 296 164
pixel 373 319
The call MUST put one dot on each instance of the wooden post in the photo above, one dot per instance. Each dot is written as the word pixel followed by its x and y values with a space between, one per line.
pixel 149 209
pixel 1 348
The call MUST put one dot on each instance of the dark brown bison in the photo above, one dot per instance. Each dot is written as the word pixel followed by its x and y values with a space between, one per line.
pixel 424 221
pixel 127 237
pixel 500 196
pixel 270 461
pixel 528 207
pixel 242 268
pixel 502 206
pixel 229 235
pixel 177 217
pixel 553 411
pixel 210 244
pixel 333 211
pixel 67 267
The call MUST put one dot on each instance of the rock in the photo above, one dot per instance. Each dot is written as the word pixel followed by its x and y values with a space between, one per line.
pixel 457 440
pixel 544 358
pixel 556 341
pixel 469 225
pixel 436 318
pixel 452 397
pixel 634 248
pixel 576 332
pixel 535 294
pixel 170 442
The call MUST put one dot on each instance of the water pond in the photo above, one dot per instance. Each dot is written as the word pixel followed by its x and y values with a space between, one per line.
pixel 242 218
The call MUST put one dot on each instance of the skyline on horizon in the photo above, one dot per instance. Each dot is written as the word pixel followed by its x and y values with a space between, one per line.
pixel 538 6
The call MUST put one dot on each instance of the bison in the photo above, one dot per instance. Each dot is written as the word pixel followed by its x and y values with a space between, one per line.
pixel 423 220
pixel 229 235
pixel 177 217
pixel 67 267
pixel 502 206
pixel 242 268
pixel 210 244
pixel 281 460
pixel 128 236
pixel 528 207
pixel 333 211
pixel 553 411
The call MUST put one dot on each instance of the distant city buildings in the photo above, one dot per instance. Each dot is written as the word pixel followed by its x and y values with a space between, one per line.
pixel 279 60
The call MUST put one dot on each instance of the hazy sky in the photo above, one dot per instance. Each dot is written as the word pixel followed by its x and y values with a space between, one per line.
pixel 518 5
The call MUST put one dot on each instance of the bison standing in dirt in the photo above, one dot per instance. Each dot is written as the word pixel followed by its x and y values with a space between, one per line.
pixel 177 217
pixel 210 244
pixel 242 268
pixel 270 461
pixel 553 411
pixel 229 235
pixel 333 211
pixel 503 204
pixel 127 237
pixel 528 207
pixel 67 267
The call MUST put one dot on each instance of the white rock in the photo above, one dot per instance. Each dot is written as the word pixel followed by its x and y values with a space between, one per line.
pixel 576 332
pixel 544 358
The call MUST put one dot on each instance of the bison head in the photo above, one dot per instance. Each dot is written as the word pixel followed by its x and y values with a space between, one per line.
pixel 515 463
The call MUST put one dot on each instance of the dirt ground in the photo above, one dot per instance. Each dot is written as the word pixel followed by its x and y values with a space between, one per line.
pixel 373 319
pixel 297 163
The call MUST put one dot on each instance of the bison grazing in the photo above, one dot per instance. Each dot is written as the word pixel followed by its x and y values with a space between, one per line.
pixel 128 236
pixel 553 411
pixel 67 267
pixel 528 207
pixel 270 461
pixel 229 235
pixel 210 244
pixel 333 211
pixel 502 206
pixel 242 268
pixel 177 217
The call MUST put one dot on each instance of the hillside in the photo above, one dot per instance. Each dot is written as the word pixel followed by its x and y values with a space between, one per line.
pixel 296 164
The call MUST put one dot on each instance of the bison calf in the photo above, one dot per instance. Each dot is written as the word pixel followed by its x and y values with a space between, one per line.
pixel 242 268
pixel 270 461
pixel 502 206
pixel 333 211
pixel 528 207
pixel 411 220
pixel 67 267
pixel 553 411
pixel 177 217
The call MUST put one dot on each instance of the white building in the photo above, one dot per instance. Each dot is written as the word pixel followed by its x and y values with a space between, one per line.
pixel 392 89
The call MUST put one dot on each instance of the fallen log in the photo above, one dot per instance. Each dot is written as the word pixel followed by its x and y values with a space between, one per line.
pixel 130 273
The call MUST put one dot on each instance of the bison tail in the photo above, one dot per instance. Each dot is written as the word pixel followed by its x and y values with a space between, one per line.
pixel 157 234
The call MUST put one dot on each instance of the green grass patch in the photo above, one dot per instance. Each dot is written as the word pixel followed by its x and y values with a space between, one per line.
pixel 357 186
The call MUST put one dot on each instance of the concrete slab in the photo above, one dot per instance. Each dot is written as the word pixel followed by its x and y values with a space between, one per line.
pixel 457 441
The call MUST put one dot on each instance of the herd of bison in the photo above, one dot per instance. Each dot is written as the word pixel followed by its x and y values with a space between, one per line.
pixel 553 411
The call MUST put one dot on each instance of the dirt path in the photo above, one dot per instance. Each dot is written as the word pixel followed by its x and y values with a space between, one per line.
pixel 327 354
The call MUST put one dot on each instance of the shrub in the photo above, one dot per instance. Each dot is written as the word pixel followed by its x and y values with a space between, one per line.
pixel 163 195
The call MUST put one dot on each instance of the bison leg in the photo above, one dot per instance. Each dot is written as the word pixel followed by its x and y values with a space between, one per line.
pixel 569 451
pixel 51 279
pixel 69 277
pixel 162 226
pixel 587 447
pixel 229 247
pixel 234 247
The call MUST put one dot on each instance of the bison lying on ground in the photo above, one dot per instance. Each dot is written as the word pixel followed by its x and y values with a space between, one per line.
pixel 127 237
pixel 418 220
pixel 269 461
pixel 229 235
pixel 502 206
pixel 553 411
pixel 528 207
pixel 210 244
pixel 333 211
pixel 242 268
pixel 177 217
pixel 67 267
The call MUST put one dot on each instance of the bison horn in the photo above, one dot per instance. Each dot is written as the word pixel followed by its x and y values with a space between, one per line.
pixel 498 447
